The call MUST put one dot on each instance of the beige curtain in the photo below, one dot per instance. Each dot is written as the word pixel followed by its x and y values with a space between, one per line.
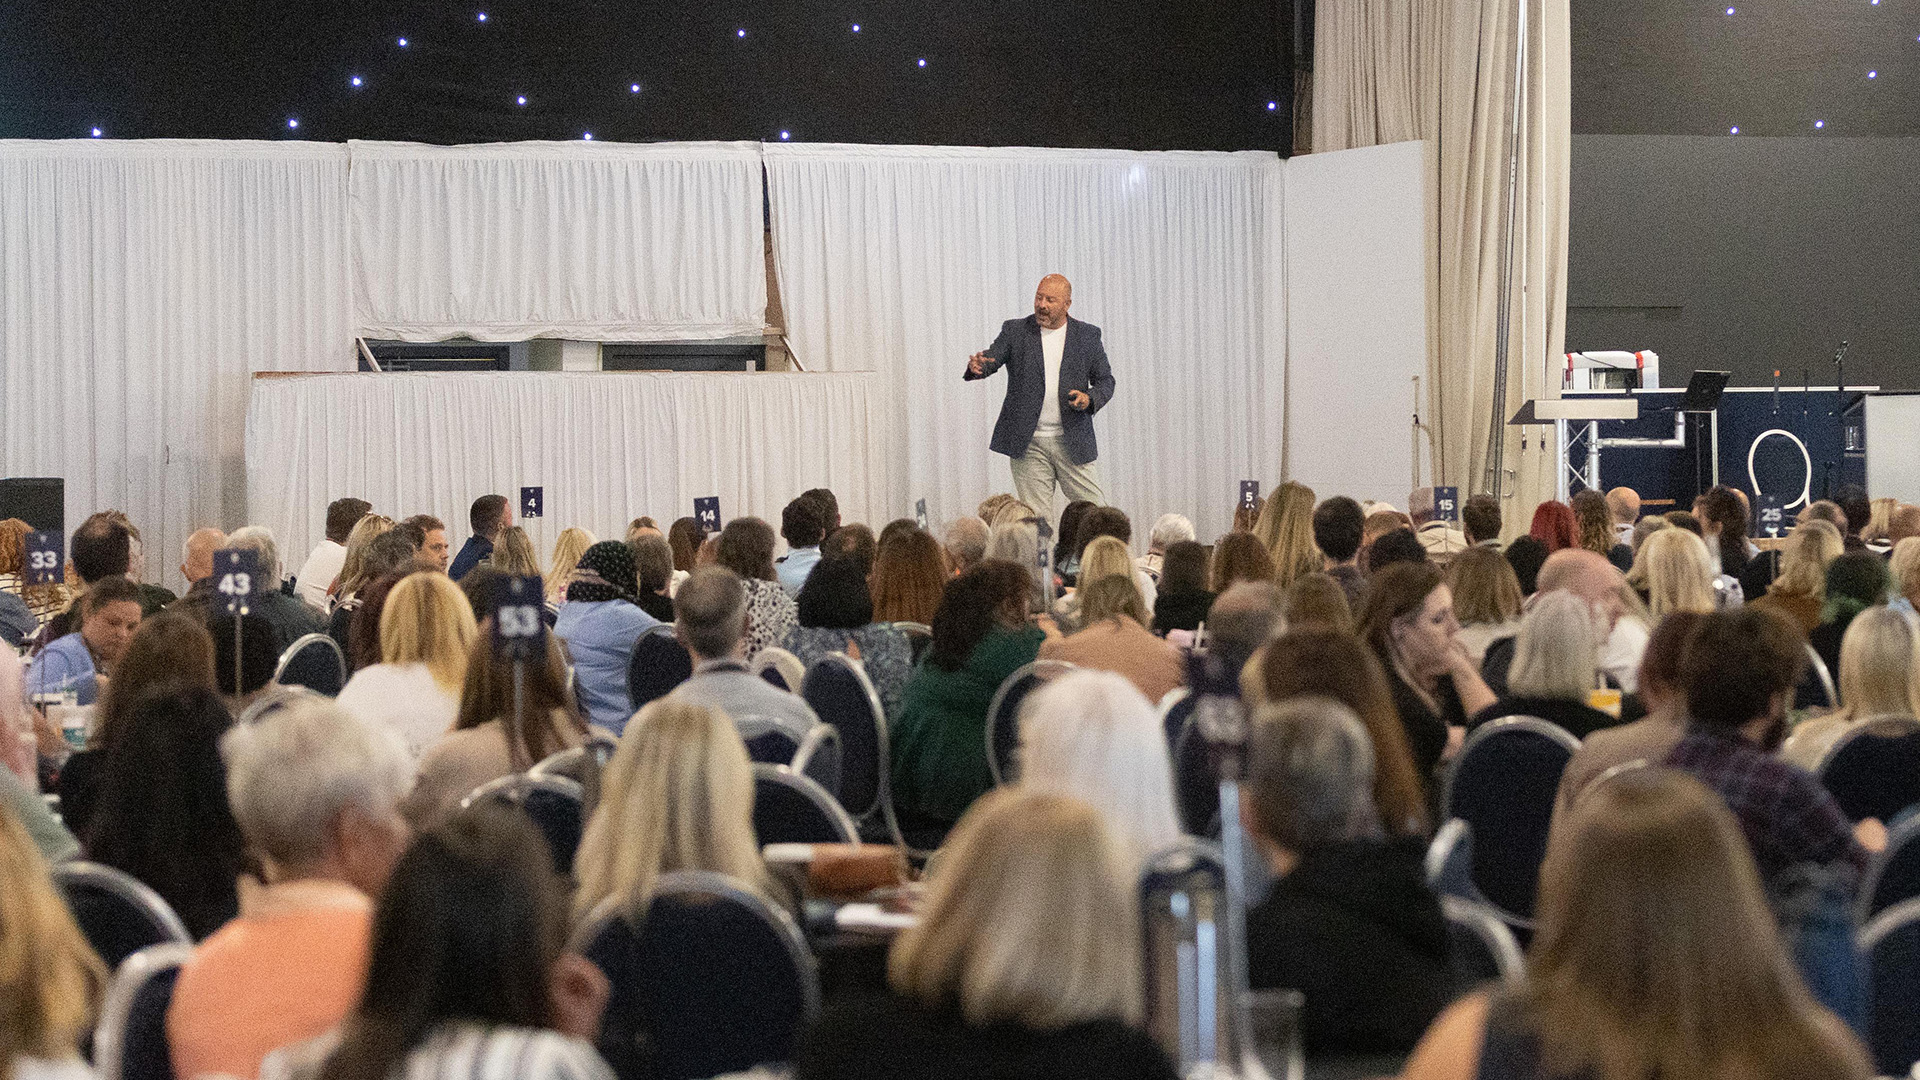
pixel 1443 71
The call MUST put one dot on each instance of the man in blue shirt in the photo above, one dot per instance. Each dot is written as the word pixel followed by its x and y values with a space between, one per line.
pixel 489 516
pixel 803 525
pixel 712 623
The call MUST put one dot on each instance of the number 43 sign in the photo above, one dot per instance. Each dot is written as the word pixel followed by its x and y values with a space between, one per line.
pixel 236 574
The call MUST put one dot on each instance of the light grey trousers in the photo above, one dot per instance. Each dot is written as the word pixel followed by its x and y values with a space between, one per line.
pixel 1045 464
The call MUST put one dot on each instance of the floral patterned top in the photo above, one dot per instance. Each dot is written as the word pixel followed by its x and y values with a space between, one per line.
pixel 771 613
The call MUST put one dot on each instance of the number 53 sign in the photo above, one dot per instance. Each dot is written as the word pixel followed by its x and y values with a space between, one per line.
pixel 519 633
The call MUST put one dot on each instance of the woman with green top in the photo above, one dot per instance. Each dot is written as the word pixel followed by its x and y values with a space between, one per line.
pixel 981 634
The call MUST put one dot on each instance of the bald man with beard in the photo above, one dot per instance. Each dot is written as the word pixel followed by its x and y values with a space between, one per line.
pixel 1057 379
pixel 1591 577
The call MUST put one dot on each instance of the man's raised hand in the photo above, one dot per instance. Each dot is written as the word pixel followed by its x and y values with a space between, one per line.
pixel 977 363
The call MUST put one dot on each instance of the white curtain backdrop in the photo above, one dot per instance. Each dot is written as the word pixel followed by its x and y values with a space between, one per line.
pixel 606 448
pixel 592 241
pixel 144 282
pixel 902 261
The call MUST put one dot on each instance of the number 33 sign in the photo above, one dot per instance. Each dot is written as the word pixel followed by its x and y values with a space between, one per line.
pixel 43 558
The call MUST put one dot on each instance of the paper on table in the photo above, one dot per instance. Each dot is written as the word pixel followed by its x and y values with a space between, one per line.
pixel 872 917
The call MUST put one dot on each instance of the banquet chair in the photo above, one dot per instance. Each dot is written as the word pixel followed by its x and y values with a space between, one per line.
pixel 1003 715
pixel 819 758
pixel 772 745
pixel 1503 784
pixel 572 763
pixel 713 980
pixel 791 809
pixel 1816 688
pixel 130 1042
pixel 1175 709
pixel 555 805
pixel 779 667
pixel 315 662
pixel 1891 944
pixel 1894 874
pixel 1483 949
pixel 118 914
pixel 919 636
pixel 659 665
pixel 838 691
pixel 1873 771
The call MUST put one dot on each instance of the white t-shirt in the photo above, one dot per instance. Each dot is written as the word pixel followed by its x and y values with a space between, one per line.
pixel 318 573
pixel 1053 345
pixel 402 698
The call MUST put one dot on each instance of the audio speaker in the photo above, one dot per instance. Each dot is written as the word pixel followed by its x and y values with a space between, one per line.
pixel 40 501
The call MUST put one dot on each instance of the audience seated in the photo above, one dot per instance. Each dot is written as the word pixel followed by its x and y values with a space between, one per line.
pixel 1591 578
pixel 1800 591
pixel 168 651
pixel 431 548
pixel 1876 682
pixel 1113 637
pixel 1623 505
pixel 314 791
pixel 1553 525
pixel 966 543
pixel 162 815
pixel 1091 735
pixel 712 606
pixel 487 519
pixel 1486 599
pixel 1380 520
pixel 1398 546
pixel 50 979
pixel 1481 521
pixel 467 970
pixel 1336 666
pixel 1184 599
pixel 1654 955
pixel 746 548
pixel 244 674
pixel 387 555
pixel 19 769
pixel 1723 515
pixel 1527 555
pixel 1238 557
pixel 1067 543
pixel 599 624
pixel 196 565
pixel 291 618
pixel 678 795
pixel 1441 540
pixel 1104 557
pixel 836 615
pixel 653 575
pixel 909 572
pixel 1593 525
pixel 1903 567
pixel 426 633
pixel 1350 922
pixel 1168 530
pixel 42 601
pixel 512 554
pixel 316 576
pixel 353 572
pixel 567 549
pixel 79 662
pixel 1408 622
pixel 1337 527
pixel 1025 961
pixel 1317 600
pixel 101 548
pixel 981 634
pixel 490 739
pixel 1242 620
pixel 803 525
pixel 1285 526
pixel 1856 581
pixel 1649 740
pixel 1555 667
pixel 1111 521
pixel 856 542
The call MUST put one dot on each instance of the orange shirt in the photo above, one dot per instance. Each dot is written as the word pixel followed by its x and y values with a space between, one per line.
pixel 289 968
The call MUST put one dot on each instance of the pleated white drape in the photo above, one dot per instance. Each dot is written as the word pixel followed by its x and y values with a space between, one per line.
pixel 902 261
pixel 606 448
pixel 1443 71
pixel 144 283
pixel 591 241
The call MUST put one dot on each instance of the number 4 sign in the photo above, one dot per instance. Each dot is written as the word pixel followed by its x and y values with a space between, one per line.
pixel 236 576
pixel 43 558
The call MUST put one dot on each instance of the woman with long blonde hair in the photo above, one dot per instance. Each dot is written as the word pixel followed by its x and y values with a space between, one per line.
pixel 50 979
pixel 1026 955
pixel 355 571
pixel 427 630
pixel 1285 526
pixel 1876 683
pixel 1800 591
pixel 513 553
pixel 1674 572
pixel 567 550
pixel 678 795
pixel 1655 956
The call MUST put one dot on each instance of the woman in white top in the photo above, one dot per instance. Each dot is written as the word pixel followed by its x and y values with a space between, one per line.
pixel 49 977
pixel 426 632
pixel 468 974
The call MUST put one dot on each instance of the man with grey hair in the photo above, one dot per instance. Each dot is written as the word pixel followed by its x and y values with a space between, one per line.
pixel 966 543
pixel 316 793
pixel 711 621
pixel 1350 922
pixel 196 564
pixel 1242 619
pixel 1168 530
pixel 290 617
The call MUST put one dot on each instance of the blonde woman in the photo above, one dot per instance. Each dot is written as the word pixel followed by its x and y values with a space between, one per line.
pixel 513 553
pixel 50 980
pixel 1025 960
pixel 1556 663
pixel 1674 572
pixel 1904 567
pixel 1486 598
pixel 1801 589
pixel 1113 636
pixel 1285 526
pixel 1106 556
pixel 355 571
pixel 1876 681
pixel 427 631
pixel 1703 989
pixel 1879 527
pixel 678 795
pixel 567 550
pixel 1093 736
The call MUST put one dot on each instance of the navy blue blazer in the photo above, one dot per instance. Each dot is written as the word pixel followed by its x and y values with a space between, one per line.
pixel 1083 366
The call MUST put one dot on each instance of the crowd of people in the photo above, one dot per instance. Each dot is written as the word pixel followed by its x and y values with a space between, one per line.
pixel 353 921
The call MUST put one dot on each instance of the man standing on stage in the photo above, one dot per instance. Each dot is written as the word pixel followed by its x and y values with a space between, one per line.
pixel 1057 378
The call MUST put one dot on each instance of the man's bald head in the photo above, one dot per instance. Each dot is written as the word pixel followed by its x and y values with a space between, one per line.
pixel 1586 574
pixel 197 556
pixel 1051 299
pixel 1624 504
pixel 1243 619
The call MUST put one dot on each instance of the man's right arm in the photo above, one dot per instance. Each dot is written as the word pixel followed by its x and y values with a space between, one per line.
pixel 985 363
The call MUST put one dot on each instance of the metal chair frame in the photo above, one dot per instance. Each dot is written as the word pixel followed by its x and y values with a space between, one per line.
pixel 1897 917
pixel 1818 665
pixel 1045 670
pixel 820 797
pixel 787 665
pixel 1899 837
pixel 883 797
pixel 1904 725
pixel 1495 729
pixel 127 888
pixel 293 650
pixel 824 738
pixel 517 786
pixel 110 1036
pixel 1491 929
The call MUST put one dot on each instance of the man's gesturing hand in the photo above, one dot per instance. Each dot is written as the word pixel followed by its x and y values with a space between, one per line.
pixel 1079 399
pixel 977 363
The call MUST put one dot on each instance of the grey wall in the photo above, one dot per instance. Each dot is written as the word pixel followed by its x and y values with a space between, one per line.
pixel 1748 254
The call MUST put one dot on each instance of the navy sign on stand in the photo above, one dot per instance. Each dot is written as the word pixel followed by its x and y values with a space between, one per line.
pixel 532 500
pixel 236 577
pixel 1249 494
pixel 519 633
pixel 1772 517
pixel 707 512
pixel 43 558
pixel 1446 504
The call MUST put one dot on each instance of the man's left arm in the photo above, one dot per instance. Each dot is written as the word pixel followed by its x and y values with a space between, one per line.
pixel 1099 376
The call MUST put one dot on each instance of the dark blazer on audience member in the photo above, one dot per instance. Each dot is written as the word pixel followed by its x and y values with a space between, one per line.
pixel 1355 928
pixel 885 1038
pixel 1083 366
pixel 1579 718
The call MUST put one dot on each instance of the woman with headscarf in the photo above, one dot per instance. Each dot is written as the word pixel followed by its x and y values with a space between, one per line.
pixel 599 624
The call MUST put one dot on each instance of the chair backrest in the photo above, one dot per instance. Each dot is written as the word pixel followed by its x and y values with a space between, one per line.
pixel 572 763
pixel 116 912
pixel 1003 716
pixel 819 759
pixel 315 662
pixel 1891 944
pixel 659 664
pixel 1504 783
pixel 779 667
pixel 838 691
pixel 791 809
pixel 1175 710
pixel 1449 863
pixel 773 745
pixel 715 980
pixel 1196 787
pixel 1186 976
pixel 130 1042
pixel 555 804
pixel 1873 770
pixel 1483 948
pixel 919 636
pixel 1894 874
pixel 1816 686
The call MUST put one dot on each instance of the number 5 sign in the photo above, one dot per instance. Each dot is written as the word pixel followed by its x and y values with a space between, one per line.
pixel 236 573
pixel 43 558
